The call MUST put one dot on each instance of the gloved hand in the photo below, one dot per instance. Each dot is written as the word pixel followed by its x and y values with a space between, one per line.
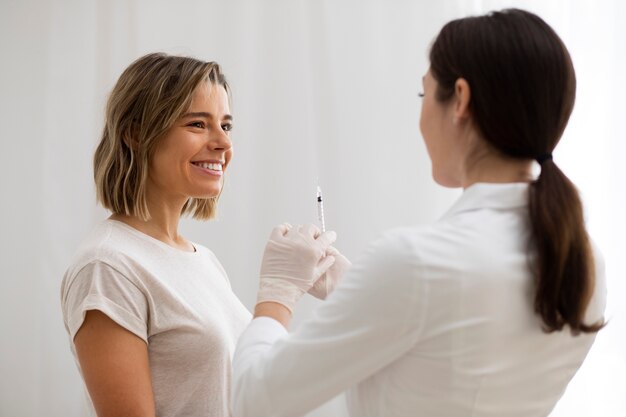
pixel 329 280
pixel 294 258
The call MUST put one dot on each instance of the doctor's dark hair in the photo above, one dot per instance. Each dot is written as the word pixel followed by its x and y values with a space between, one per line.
pixel 522 91
pixel 148 98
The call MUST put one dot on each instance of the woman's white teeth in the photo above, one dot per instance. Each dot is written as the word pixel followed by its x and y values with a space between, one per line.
pixel 211 166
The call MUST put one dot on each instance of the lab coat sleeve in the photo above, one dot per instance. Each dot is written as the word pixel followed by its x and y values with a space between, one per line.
pixel 372 318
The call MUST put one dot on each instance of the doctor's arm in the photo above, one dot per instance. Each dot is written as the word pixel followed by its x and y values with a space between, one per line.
pixel 371 319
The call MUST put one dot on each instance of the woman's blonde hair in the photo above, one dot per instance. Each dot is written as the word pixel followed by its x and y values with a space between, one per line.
pixel 150 95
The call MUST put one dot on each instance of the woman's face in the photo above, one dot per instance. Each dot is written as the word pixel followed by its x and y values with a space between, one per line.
pixel 191 157
pixel 437 127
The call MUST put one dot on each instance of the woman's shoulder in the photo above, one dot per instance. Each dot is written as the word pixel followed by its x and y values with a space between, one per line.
pixel 106 244
pixel 415 248
pixel 97 250
pixel 103 242
pixel 96 242
pixel 399 246
pixel 409 240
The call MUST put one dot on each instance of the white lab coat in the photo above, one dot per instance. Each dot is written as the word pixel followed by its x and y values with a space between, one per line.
pixel 431 321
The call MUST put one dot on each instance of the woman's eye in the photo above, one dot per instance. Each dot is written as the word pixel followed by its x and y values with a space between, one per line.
pixel 227 127
pixel 420 95
pixel 199 125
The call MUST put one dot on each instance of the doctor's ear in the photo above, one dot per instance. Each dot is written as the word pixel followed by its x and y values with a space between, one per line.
pixel 462 96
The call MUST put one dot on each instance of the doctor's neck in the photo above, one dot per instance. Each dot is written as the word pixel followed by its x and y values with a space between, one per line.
pixel 485 164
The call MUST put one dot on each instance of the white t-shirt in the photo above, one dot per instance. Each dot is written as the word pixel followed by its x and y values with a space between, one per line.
pixel 180 303
pixel 433 321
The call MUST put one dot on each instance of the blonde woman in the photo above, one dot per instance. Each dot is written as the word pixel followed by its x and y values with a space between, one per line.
pixel 151 316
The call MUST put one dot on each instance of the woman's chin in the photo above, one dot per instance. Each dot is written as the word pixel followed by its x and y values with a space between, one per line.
pixel 206 194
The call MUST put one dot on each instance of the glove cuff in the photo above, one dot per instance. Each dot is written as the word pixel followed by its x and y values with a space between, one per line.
pixel 279 291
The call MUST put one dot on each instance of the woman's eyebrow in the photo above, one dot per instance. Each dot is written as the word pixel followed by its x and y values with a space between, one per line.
pixel 205 115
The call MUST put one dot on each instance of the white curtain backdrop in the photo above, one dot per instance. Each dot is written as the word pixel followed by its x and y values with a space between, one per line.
pixel 324 91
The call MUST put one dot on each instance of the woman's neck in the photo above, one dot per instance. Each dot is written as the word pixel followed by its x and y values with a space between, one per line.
pixel 162 225
pixel 485 164
pixel 495 171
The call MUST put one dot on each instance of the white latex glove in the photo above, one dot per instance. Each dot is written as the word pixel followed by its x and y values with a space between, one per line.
pixel 329 280
pixel 294 258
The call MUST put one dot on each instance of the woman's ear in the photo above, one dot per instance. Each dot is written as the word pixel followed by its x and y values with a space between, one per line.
pixel 130 138
pixel 462 95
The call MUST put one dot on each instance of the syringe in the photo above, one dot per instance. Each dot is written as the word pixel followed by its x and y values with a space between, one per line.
pixel 320 209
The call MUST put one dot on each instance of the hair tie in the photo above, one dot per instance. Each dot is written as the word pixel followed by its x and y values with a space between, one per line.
pixel 543 158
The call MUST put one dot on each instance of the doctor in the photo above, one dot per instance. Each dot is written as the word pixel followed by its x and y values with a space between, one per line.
pixel 488 312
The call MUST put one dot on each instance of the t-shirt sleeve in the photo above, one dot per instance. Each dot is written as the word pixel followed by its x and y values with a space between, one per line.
pixel 99 286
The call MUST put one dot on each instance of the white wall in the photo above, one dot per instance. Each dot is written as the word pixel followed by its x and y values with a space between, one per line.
pixel 322 90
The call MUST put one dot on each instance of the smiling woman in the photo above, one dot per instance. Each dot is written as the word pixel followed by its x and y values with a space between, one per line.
pixel 156 97
pixel 151 316
pixel 183 166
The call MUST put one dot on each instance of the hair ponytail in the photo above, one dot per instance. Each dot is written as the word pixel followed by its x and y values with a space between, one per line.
pixel 523 91
pixel 563 262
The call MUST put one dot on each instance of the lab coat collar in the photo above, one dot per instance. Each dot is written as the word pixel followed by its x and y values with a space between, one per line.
pixel 489 195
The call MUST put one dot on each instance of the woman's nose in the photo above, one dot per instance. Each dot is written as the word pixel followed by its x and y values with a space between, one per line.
pixel 220 140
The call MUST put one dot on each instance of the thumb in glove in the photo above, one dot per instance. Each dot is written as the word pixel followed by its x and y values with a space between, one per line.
pixel 329 280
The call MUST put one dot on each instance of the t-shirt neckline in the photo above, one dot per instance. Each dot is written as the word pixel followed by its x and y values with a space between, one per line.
pixel 155 241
